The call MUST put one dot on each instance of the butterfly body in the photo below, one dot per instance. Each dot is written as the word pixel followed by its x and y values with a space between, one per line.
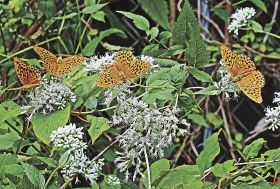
pixel 58 66
pixel 244 73
pixel 29 76
pixel 125 67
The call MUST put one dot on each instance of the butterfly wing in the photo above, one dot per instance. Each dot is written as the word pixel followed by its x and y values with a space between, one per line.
pixel 27 74
pixel 123 57
pixel 68 63
pixel 109 77
pixel 49 60
pixel 251 86
pixel 236 64
pixel 137 68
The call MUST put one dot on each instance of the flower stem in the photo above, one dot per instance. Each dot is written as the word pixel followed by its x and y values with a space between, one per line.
pixel 50 177
pixel 28 48
pixel 148 170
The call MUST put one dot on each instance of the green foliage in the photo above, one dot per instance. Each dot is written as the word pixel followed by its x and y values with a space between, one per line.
pixel 98 126
pixel 185 176
pixel 8 110
pixel 252 150
pixel 221 170
pixel 210 151
pixel 34 175
pixel 43 126
pixel 157 169
pixel 157 10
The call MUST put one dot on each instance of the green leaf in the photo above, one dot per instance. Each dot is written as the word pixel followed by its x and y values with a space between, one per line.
pixel 34 175
pixel 200 75
pixel 153 33
pixel 98 126
pixel 256 26
pixel 198 119
pixel 260 4
pixel 221 170
pixel 44 125
pixel 106 185
pixel 8 110
pixel 221 13
pixel 210 90
pixel 48 161
pixel 196 52
pixel 215 119
pixel 252 150
pixel 186 100
pixel 64 158
pixel 181 31
pixel 99 15
pixel 174 50
pixel 89 49
pixel 166 62
pixel 185 176
pixel 156 169
pixel 164 36
pixel 157 10
pixel 163 93
pixel 273 155
pixel 7 140
pixel 140 21
pixel 210 151
pixel 48 8
pixel 93 8
pixel 14 169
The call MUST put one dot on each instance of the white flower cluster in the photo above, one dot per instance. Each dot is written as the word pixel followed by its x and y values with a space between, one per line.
pixel 70 138
pixel 113 180
pixel 50 96
pixel 272 114
pixel 240 19
pixel 226 84
pixel 148 129
pixel 96 62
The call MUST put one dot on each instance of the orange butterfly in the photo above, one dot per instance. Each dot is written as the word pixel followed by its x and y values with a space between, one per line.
pixel 29 76
pixel 125 67
pixel 244 73
pixel 58 66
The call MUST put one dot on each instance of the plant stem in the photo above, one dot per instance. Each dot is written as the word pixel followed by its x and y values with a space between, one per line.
pixel 28 48
pixel 102 110
pixel 148 170
pixel 50 177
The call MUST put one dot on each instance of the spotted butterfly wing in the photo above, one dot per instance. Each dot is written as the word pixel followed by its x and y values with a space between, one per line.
pixel 137 68
pixel 58 66
pixel 236 64
pixel 109 77
pixel 49 60
pixel 28 75
pixel 124 68
pixel 68 63
pixel 251 85
pixel 243 71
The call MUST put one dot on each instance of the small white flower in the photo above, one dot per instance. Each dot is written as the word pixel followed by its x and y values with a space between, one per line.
pixel 50 96
pixel 151 61
pixel 240 18
pixel 148 129
pixel 113 180
pixel 96 62
pixel 272 114
pixel 226 83
pixel 68 137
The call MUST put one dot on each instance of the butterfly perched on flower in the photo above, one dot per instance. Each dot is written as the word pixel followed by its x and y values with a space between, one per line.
pixel 244 73
pixel 58 66
pixel 29 76
pixel 125 67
